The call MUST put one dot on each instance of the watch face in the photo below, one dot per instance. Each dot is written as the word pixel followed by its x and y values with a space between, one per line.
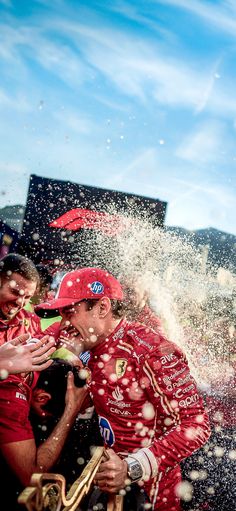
pixel 135 471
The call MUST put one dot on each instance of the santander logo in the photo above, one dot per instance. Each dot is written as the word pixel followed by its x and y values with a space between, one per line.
pixel 117 394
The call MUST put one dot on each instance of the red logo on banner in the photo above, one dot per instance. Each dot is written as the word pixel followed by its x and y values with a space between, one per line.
pixel 76 219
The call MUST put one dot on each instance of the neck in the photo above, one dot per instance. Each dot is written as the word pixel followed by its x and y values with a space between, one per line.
pixel 111 327
pixel 107 330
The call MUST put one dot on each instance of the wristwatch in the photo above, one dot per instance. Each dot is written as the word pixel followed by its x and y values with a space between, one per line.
pixel 135 471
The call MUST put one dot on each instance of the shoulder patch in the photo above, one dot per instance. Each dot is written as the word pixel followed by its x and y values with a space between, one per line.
pixel 133 334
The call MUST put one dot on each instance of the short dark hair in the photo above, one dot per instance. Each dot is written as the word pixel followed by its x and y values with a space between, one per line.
pixel 16 263
pixel 117 307
pixel 44 274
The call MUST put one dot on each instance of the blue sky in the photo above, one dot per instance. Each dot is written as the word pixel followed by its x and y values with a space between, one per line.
pixel 136 96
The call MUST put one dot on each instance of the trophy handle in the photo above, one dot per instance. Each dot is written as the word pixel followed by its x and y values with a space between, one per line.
pixel 47 492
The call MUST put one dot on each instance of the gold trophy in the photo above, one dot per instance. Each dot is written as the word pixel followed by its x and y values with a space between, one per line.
pixel 47 492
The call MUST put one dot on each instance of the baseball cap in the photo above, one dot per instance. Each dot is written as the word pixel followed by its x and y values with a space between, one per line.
pixel 81 284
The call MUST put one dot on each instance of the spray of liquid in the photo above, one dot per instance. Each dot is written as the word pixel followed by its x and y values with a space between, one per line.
pixel 186 293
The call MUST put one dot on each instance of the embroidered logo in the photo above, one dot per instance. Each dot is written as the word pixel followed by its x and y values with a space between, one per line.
pixel 121 365
pixel 118 334
pixel 117 394
pixel 97 287
pixel 106 431
pixel 26 323
pixel 137 356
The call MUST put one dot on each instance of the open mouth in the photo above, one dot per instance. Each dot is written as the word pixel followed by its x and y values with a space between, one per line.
pixel 10 310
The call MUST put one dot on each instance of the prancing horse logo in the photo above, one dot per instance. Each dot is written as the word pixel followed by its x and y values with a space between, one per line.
pixel 121 365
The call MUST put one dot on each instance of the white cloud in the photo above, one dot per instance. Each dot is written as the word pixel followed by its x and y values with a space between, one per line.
pixel 131 71
pixel 221 15
pixel 17 44
pixel 203 204
pixel 205 144
pixel 74 122
pixel 146 70
pixel 12 168
pixel 130 64
pixel 139 69
pixel 137 171
pixel 18 102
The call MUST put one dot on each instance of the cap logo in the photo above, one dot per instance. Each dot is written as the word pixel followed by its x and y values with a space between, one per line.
pixel 97 288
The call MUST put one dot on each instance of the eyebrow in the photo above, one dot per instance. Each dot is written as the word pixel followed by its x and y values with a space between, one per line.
pixel 17 291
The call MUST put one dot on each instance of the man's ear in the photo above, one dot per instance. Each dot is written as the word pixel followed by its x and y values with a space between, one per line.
pixel 104 306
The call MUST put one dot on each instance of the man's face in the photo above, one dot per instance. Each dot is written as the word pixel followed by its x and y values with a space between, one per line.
pixel 85 321
pixel 15 293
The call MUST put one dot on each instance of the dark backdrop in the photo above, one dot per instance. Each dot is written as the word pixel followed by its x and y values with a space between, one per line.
pixel 69 245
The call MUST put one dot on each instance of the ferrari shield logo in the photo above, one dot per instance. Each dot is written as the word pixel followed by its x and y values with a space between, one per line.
pixel 26 323
pixel 121 365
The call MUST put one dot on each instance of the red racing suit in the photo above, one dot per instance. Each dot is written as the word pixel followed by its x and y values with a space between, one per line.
pixel 24 322
pixel 15 426
pixel 15 386
pixel 148 405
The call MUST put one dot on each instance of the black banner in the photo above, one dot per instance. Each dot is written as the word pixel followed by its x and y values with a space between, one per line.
pixel 68 224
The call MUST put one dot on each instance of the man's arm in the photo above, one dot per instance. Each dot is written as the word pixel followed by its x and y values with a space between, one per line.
pixel 169 384
pixel 173 392
pixel 186 426
pixel 24 458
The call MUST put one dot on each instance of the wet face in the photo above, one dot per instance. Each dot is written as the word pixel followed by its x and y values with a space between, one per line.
pixel 15 293
pixel 86 322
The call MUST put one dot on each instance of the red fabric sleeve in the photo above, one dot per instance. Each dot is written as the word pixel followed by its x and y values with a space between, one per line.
pixel 168 381
pixel 14 411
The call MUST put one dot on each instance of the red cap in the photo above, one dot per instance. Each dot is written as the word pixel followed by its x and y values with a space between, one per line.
pixel 77 285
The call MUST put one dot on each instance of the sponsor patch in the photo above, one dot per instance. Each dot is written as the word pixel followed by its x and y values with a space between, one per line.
pixel 180 392
pixel 106 431
pixel 170 359
pixel 121 365
pixel 97 287
pixel 167 379
pixel 180 382
pixel 120 404
pixel 117 394
pixel 189 400
pixel 119 334
pixel 137 356
pixel 133 334
pixel 120 412
pixel 118 397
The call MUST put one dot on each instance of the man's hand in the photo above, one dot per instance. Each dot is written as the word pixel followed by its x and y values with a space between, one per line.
pixel 70 339
pixel 18 357
pixel 112 473
pixel 75 396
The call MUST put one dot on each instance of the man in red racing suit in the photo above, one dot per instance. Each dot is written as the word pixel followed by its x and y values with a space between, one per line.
pixel 146 399
pixel 150 413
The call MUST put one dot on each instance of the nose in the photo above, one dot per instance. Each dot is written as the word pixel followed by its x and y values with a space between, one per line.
pixel 21 301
